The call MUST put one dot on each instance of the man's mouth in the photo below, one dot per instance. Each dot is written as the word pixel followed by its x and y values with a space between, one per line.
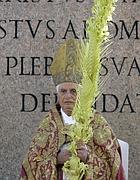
pixel 69 102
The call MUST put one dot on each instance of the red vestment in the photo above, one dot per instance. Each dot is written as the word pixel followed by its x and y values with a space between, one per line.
pixel 41 161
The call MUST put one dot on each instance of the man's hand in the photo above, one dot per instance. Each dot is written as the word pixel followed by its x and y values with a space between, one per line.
pixel 63 156
pixel 82 153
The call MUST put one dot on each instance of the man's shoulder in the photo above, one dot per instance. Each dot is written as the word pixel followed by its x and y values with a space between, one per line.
pixel 97 118
pixel 54 110
pixel 53 115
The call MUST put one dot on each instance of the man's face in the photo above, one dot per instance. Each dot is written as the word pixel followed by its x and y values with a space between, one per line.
pixel 67 96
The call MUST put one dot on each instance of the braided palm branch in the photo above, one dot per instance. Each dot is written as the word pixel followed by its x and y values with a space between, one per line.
pixel 91 52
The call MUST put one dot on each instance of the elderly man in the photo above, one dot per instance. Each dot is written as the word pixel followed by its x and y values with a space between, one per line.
pixel 48 151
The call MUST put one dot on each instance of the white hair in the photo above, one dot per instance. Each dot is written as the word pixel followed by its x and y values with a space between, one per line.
pixel 57 88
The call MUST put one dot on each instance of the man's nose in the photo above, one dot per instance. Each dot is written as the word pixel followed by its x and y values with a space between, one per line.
pixel 68 94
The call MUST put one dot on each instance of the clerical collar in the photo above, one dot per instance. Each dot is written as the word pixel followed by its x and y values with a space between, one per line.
pixel 67 119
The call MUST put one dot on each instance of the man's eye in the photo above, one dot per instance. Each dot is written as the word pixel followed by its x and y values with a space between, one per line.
pixel 74 91
pixel 63 91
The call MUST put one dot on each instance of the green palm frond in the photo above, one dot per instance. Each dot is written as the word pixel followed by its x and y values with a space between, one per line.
pixel 91 51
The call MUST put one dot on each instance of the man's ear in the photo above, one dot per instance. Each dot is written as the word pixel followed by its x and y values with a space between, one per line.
pixel 57 98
